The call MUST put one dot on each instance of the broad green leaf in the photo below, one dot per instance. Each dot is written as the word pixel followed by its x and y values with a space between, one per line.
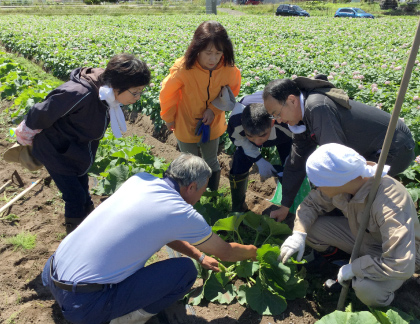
pixel 119 154
pixel 256 222
pixel 221 278
pixel 263 301
pixel 197 300
pixel 277 228
pixel 268 254
pixel 217 289
pixel 414 193
pixel 241 295
pixel 144 158
pixel 247 268
pixel 117 176
pixel 229 224
pixel 136 150
pixel 210 214
pixel 296 290
pixel 398 317
pixel 338 317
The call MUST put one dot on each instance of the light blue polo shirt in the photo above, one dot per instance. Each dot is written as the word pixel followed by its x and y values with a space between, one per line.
pixel 122 233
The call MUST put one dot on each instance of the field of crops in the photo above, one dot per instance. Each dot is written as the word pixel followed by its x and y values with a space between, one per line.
pixel 364 57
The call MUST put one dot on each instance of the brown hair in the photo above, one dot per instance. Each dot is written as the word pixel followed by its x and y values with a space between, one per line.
pixel 125 71
pixel 210 32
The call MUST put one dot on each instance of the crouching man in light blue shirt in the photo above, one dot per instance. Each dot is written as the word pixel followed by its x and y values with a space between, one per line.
pixel 98 275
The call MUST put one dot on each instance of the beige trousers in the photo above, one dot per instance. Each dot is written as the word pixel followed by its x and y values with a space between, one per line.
pixel 335 231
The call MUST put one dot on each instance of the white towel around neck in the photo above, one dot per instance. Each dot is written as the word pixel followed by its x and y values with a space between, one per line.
pixel 298 129
pixel 115 112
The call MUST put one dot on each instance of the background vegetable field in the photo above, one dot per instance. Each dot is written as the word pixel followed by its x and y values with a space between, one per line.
pixel 364 57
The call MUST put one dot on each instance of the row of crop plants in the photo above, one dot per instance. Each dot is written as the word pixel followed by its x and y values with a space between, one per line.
pixel 364 57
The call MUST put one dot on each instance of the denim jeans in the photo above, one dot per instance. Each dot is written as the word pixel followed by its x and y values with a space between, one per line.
pixel 75 192
pixel 152 288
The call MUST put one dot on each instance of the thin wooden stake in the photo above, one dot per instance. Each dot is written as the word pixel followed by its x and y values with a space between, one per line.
pixel 11 202
pixel 5 185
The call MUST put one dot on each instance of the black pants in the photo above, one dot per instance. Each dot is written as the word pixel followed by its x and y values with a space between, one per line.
pixel 75 192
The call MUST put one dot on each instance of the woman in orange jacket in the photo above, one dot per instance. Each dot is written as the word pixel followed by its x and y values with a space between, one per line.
pixel 195 80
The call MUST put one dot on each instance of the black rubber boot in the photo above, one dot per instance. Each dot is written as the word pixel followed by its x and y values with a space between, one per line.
pixel 321 262
pixel 89 208
pixel 238 186
pixel 72 222
pixel 214 181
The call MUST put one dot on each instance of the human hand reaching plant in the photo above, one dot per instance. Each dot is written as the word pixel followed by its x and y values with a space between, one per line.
pixel 280 214
pixel 210 263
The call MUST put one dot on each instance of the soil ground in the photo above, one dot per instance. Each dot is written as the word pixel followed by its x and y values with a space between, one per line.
pixel 23 299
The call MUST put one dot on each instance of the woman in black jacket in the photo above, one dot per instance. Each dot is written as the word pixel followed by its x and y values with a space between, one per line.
pixel 66 127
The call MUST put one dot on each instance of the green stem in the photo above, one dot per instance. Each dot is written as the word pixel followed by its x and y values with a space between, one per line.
pixel 252 279
pixel 266 239
pixel 239 237
pixel 256 238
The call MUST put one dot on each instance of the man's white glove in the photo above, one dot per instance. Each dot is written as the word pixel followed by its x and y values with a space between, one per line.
pixel 265 169
pixel 225 100
pixel 345 273
pixel 293 244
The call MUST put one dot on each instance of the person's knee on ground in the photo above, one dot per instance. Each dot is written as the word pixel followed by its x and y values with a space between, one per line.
pixel 183 275
pixel 238 187
pixel 373 293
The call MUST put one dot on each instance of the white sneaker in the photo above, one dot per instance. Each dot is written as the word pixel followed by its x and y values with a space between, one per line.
pixel 139 316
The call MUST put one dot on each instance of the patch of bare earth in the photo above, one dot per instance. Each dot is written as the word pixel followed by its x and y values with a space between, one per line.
pixel 23 299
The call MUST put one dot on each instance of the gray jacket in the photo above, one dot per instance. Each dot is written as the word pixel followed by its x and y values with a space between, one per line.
pixel 362 128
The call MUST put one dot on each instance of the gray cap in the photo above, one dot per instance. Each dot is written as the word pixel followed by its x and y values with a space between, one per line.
pixel 225 100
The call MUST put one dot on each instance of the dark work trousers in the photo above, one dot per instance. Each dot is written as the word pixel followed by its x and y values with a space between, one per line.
pixel 400 156
pixel 242 163
pixel 75 192
pixel 152 288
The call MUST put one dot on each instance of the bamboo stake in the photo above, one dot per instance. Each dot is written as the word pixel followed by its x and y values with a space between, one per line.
pixel 5 185
pixel 11 202
pixel 382 158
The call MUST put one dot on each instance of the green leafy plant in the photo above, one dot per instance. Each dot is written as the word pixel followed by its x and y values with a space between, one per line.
pixel 263 285
pixel 10 218
pixel 376 316
pixel 23 240
pixel 119 159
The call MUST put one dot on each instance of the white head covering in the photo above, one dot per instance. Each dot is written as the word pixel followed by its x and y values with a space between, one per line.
pixel 115 112
pixel 333 165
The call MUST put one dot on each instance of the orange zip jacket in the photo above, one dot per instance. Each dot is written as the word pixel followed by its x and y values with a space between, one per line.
pixel 186 94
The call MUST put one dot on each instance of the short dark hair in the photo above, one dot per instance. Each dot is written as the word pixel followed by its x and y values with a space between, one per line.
pixel 255 119
pixel 125 71
pixel 209 32
pixel 281 89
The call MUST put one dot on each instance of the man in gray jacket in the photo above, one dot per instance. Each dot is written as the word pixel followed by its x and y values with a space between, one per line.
pixel 318 113
pixel 390 251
